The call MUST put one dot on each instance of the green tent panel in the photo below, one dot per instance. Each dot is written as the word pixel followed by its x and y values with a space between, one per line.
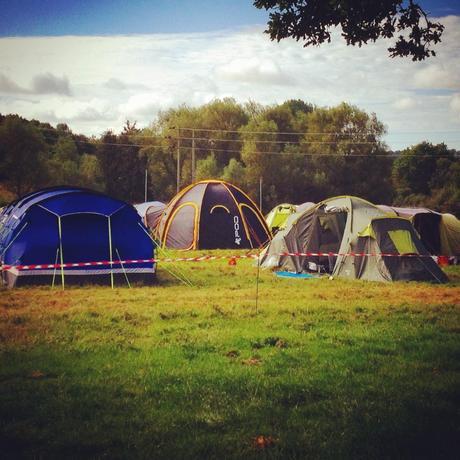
pixel 346 225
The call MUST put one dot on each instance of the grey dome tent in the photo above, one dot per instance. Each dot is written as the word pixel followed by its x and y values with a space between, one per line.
pixel 347 225
pixel 150 212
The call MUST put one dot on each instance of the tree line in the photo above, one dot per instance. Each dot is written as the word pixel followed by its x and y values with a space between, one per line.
pixel 297 151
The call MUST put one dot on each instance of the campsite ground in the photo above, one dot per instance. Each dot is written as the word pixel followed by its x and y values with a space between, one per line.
pixel 323 369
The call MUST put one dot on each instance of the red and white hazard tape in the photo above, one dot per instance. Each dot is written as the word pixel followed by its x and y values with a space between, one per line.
pixel 122 262
pixel 77 264
pixel 352 254
pixel 201 259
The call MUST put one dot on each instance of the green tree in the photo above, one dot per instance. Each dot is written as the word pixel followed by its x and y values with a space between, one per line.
pixel 427 175
pixel 90 172
pixel 361 21
pixel 64 164
pixel 261 155
pixel 348 154
pixel 235 173
pixel 22 155
pixel 208 168
pixel 122 167
pixel 415 168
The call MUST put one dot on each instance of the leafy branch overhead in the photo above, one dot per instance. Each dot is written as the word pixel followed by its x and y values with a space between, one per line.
pixel 361 21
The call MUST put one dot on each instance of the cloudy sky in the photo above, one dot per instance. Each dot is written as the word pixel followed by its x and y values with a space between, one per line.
pixel 94 66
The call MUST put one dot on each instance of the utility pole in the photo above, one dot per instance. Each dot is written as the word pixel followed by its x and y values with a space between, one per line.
pixel 260 193
pixel 178 161
pixel 145 189
pixel 193 155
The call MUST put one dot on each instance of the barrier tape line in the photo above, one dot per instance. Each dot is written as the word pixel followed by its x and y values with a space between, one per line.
pixel 203 258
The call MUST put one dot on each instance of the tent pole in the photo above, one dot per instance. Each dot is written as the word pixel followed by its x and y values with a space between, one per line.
pixel 123 267
pixel 55 266
pixel 110 249
pixel 60 252
pixel 14 239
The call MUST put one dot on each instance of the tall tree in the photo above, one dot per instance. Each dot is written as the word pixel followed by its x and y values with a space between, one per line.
pixel 122 167
pixel 428 174
pixel 22 151
pixel 361 21
pixel 348 155
pixel 64 164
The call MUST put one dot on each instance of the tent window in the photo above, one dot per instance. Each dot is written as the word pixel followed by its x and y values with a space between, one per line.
pixel 402 239
pixel 218 208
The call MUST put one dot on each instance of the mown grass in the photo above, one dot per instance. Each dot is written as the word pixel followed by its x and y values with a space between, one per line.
pixel 323 369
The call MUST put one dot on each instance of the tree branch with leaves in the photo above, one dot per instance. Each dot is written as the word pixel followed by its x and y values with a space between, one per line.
pixel 361 21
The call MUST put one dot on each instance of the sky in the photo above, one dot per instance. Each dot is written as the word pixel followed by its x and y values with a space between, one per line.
pixel 95 64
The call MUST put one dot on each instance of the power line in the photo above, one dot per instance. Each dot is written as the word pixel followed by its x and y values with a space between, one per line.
pixel 302 133
pixel 211 149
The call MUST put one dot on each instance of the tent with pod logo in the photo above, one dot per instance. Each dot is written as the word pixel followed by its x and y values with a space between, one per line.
pixel 212 214
pixel 66 225
pixel 343 226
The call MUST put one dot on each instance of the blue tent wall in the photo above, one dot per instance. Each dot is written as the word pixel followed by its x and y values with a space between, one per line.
pixel 80 226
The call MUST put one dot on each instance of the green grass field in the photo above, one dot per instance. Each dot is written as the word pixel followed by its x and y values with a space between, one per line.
pixel 323 369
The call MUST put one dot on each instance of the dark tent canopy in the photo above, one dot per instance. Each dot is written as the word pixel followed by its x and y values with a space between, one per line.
pixel 440 233
pixel 212 214
pixel 72 225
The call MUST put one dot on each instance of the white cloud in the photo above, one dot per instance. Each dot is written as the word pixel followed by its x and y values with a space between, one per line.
pixel 436 76
pixel 405 103
pixel 9 86
pixel 260 71
pixel 48 83
pixel 146 105
pixel 115 78
pixel 65 110
pixel 115 84
pixel 455 104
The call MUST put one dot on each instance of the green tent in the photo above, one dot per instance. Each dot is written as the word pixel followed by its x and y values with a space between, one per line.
pixel 277 218
pixel 345 225
pixel 440 233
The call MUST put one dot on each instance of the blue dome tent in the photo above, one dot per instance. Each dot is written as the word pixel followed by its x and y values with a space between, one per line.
pixel 69 225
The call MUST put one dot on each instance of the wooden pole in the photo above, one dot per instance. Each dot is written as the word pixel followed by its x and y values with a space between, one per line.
pixel 260 193
pixel 193 156
pixel 178 161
